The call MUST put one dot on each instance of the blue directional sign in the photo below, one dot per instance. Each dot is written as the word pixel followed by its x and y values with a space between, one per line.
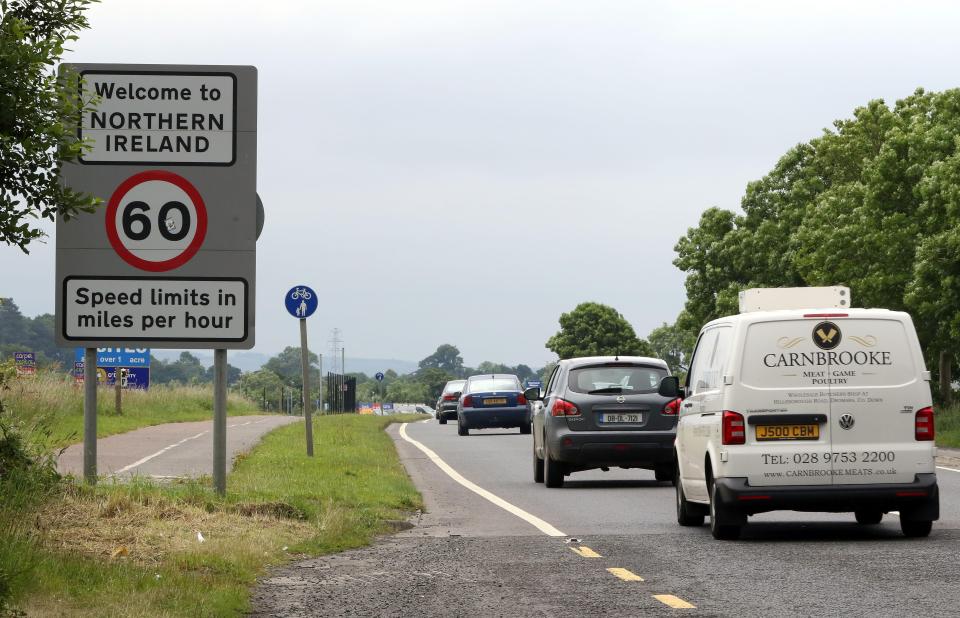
pixel 118 357
pixel 301 301
pixel 534 384
pixel 379 376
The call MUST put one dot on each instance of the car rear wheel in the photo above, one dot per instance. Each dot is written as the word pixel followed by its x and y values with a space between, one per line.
pixel 462 430
pixel 537 466
pixel 723 532
pixel 915 529
pixel 688 514
pixel 552 470
pixel 443 419
pixel 868 518
pixel 525 428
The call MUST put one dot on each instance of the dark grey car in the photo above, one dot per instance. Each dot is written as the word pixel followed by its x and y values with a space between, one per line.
pixel 603 412
pixel 447 403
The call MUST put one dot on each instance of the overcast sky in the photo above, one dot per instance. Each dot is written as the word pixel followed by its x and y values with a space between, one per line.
pixel 467 171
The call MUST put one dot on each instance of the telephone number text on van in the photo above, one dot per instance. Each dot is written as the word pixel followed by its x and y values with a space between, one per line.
pixel 829 457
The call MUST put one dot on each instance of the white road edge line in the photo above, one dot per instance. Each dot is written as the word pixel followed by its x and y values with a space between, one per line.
pixel 140 462
pixel 533 520
pixel 946 468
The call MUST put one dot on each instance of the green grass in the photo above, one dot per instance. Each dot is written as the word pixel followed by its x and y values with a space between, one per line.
pixel 947 421
pixel 52 407
pixel 280 505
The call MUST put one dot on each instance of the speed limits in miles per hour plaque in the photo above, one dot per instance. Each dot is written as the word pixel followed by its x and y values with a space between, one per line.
pixel 169 260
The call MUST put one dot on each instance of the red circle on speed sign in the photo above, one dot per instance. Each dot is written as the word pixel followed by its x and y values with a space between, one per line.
pixel 156 220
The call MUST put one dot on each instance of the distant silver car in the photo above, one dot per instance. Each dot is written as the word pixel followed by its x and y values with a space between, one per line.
pixel 603 412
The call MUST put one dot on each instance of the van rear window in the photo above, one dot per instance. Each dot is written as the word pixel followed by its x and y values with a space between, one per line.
pixel 842 353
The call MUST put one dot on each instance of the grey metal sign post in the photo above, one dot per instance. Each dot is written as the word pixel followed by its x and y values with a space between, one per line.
pixel 170 261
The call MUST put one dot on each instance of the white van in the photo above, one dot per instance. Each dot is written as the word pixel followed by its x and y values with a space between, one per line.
pixel 824 410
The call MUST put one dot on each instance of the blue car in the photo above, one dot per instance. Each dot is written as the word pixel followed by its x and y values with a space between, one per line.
pixel 492 400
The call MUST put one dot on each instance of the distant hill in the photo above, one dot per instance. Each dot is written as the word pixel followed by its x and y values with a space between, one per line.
pixel 251 361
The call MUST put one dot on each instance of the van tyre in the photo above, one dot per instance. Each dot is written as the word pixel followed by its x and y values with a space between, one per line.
pixel 915 529
pixel 688 514
pixel 537 466
pixel 462 430
pixel 552 470
pixel 723 532
pixel 868 518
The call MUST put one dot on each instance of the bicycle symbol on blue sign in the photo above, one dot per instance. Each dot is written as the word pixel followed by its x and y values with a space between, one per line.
pixel 301 301
pixel 379 376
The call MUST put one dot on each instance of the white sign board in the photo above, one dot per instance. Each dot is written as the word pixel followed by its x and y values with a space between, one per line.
pixel 155 117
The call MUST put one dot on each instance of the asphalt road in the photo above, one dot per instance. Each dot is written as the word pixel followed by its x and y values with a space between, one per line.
pixel 607 544
pixel 171 450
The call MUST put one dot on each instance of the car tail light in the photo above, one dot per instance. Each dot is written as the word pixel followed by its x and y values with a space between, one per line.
pixel 521 400
pixel 923 426
pixel 450 397
pixel 468 401
pixel 562 407
pixel 672 408
pixel 734 429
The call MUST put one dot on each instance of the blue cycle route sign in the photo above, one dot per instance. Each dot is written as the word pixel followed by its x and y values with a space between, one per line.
pixel 301 301
pixel 379 376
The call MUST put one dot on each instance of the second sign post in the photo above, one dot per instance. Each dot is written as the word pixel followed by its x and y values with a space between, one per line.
pixel 301 302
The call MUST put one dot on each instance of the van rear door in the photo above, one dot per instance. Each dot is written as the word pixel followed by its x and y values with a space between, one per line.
pixel 784 398
pixel 876 388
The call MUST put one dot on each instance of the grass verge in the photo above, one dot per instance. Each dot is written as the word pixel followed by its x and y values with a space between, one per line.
pixel 52 407
pixel 948 426
pixel 134 549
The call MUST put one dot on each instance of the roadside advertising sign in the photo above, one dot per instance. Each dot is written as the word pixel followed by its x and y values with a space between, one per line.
pixel 26 363
pixel 131 378
pixel 170 260
pixel 118 357
pixel 388 407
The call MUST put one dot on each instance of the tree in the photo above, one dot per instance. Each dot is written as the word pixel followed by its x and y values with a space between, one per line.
pixel 185 370
pixel 233 374
pixel 447 358
pixel 434 380
pixel 286 364
pixel 36 116
pixel 262 385
pixel 674 344
pixel 592 329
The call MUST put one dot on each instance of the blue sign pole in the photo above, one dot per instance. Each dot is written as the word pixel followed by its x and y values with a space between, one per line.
pixel 301 302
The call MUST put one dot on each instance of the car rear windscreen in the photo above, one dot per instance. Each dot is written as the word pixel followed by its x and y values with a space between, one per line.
pixel 487 385
pixel 453 387
pixel 616 378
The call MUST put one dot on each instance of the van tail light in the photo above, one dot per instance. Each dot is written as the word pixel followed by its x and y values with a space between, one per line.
pixel 562 407
pixel 521 400
pixel 468 401
pixel 672 408
pixel 734 429
pixel 923 425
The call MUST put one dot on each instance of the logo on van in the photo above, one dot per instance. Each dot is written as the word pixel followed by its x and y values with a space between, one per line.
pixel 846 421
pixel 826 335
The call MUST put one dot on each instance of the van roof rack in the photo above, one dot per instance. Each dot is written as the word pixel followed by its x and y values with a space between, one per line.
pixel 773 299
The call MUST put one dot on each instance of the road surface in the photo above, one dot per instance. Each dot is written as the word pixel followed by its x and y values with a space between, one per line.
pixel 608 544
pixel 171 450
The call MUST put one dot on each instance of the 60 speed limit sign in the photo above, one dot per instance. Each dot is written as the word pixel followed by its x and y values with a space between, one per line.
pixel 156 220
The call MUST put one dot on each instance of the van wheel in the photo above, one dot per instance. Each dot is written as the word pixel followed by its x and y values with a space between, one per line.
pixel 723 532
pixel 462 430
pixel 442 419
pixel 552 470
pixel 537 465
pixel 868 518
pixel 915 529
pixel 687 514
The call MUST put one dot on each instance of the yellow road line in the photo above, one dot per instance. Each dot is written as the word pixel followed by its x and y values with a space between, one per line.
pixel 625 575
pixel 675 602
pixel 585 551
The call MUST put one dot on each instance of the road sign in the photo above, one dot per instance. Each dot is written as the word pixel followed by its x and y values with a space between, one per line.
pixel 118 357
pixel 26 363
pixel 170 262
pixel 534 383
pixel 379 376
pixel 301 301
pixel 156 220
